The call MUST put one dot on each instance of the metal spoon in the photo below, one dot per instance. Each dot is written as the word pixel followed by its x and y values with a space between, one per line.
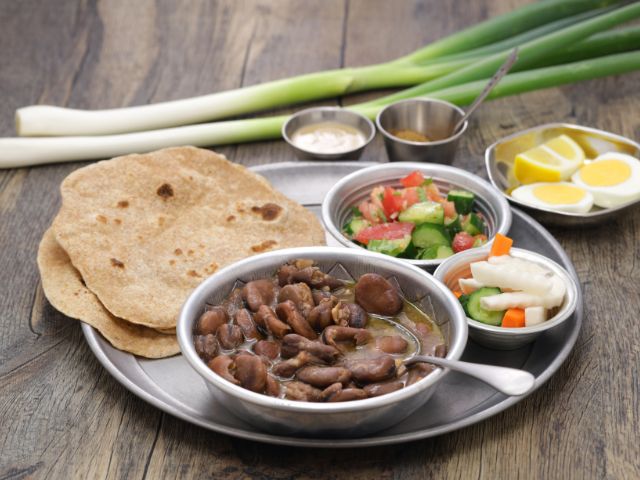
pixel 509 381
pixel 502 71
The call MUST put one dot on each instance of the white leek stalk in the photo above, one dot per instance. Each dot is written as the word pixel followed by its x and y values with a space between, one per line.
pixel 45 120
pixel 21 152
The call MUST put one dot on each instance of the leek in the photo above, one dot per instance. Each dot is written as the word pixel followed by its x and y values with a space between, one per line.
pixel 405 71
pixel 517 40
pixel 528 54
pixel 20 152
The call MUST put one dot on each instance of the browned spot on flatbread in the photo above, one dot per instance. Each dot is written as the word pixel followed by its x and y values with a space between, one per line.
pixel 261 247
pixel 117 221
pixel 193 273
pixel 165 191
pixel 172 262
pixel 231 218
pixel 190 252
pixel 117 263
pixel 101 218
pixel 161 221
pixel 177 251
pixel 123 204
pixel 268 211
pixel 212 267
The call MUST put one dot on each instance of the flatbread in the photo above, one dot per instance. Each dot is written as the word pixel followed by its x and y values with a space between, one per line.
pixel 145 230
pixel 65 290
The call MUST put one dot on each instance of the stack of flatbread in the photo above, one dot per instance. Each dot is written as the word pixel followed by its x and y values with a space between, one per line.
pixel 136 234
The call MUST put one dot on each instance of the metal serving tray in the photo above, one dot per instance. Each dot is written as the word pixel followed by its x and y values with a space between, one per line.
pixel 173 386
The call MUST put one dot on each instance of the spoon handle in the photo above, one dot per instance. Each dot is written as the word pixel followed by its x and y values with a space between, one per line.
pixel 502 71
pixel 509 381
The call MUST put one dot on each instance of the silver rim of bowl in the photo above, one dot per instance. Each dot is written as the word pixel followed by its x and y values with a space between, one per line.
pixel 497 202
pixel 185 340
pixel 464 258
pixel 368 139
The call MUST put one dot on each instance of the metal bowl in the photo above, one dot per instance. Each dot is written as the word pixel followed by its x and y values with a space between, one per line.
pixel 355 418
pixel 352 189
pixel 499 159
pixel 500 338
pixel 328 114
pixel 434 118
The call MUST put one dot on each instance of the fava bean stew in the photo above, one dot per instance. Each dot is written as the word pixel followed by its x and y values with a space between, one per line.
pixel 305 335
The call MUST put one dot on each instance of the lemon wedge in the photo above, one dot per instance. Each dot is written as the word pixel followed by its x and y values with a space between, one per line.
pixel 553 161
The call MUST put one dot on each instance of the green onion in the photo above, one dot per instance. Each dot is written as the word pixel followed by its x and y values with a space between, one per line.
pixel 547 77
pixel 19 152
pixel 501 27
pixel 517 40
pixel 48 120
pixel 529 53
pixel 604 43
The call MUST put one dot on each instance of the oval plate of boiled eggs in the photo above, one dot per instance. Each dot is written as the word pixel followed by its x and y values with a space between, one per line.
pixel 566 174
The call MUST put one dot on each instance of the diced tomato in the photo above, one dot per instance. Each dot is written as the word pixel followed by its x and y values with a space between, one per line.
pixel 385 231
pixel 391 202
pixel 462 241
pixel 414 179
pixel 409 197
pixel 369 211
pixel 449 209
pixel 376 196
pixel 433 193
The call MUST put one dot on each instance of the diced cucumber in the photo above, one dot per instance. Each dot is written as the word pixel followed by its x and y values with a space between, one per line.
pixel 426 235
pixel 475 311
pixel 453 225
pixel 462 199
pixel 472 224
pixel 444 251
pixel 436 251
pixel 357 224
pixel 464 301
pixel 423 212
pixel 390 247
pixel 411 252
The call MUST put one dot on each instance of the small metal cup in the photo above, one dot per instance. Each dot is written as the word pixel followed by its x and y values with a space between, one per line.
pixel 328 114
pixel 434 118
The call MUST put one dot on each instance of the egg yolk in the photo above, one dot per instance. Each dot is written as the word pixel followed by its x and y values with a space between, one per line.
pixel 605 173
pixel 559 194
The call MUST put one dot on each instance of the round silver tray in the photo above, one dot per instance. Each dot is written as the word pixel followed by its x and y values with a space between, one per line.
pixel 172 386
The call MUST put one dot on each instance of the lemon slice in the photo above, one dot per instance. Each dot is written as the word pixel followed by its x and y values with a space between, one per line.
pixel 553 161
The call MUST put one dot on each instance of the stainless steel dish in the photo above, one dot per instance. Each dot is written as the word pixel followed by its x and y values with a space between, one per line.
pixel 355 418
pixel 172 386
pixel 434 118
pixel 499 159
pixel 352 189
pixel 328 114
pixel 500 338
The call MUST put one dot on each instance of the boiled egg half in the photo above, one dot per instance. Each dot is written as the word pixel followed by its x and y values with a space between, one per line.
pixel 612 179
pixel 560 196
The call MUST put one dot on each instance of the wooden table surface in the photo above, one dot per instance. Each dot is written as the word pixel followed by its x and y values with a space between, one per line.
pixel 62 415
